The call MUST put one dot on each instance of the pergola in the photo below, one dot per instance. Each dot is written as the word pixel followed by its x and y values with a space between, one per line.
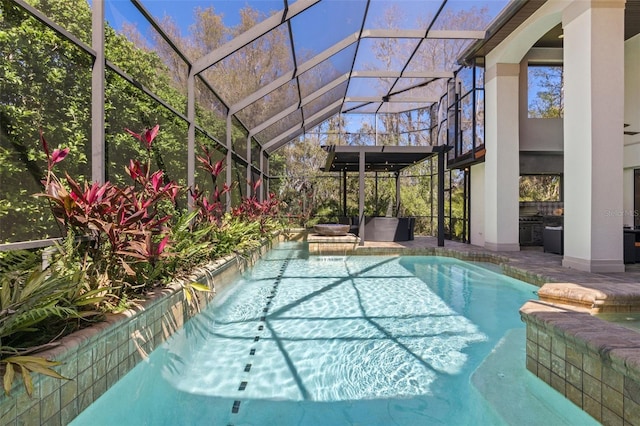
pixel 391 159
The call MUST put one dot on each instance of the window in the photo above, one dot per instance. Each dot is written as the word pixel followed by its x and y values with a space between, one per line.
pixel 545 93
pixel 540 188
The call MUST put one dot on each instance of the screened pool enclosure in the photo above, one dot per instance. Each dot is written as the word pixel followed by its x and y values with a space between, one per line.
pixel 262 85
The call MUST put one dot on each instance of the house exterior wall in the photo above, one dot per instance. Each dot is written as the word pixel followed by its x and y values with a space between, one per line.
pixel 591 137
pixel 593 140
pixel 631 117
pixel 500 228
pixel 477 205
pixel 538 134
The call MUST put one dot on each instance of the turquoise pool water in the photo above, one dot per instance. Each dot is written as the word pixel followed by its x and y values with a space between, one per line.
pixel 630 320
pixel 361 340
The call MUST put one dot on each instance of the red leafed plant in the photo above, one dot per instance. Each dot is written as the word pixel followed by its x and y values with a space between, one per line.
pixel 132 243
pixel 253 210
pixel 147 137
pixel 210 209
pixel 126 223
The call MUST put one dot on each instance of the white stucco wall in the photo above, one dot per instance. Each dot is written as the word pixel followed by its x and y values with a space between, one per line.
pixel 593 143
pixel 490 217
pixel 631 117
pixel 477 205
pixel 502 165
pixel 516 45
pixel 605 252
pixel 538 134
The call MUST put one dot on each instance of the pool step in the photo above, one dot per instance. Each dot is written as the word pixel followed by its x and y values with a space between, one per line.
pixel 616 297
pixel 514 393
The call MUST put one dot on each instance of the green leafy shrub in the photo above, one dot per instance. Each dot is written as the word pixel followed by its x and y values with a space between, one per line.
pixel 37 307
pixel 120 241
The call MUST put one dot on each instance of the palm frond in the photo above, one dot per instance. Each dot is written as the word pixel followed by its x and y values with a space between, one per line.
pixel 18 260
pixel 27 365
pixel 24 321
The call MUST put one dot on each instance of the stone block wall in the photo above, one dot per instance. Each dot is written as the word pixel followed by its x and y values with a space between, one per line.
pixel 593 363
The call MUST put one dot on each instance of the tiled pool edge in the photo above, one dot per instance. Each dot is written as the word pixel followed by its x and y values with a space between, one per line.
pixel 470 256
pixel 594 364
pixel 97 357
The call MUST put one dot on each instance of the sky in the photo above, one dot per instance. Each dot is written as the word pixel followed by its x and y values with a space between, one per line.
pixel 181 11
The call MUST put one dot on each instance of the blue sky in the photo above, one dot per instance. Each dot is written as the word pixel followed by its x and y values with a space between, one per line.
pixel 119 11
pixel 181 11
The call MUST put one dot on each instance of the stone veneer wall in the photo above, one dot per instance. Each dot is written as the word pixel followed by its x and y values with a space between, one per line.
pixel 95 358
pixel 593 363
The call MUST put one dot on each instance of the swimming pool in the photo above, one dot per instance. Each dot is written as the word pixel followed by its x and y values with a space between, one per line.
pixel 359 340
pixel 629 319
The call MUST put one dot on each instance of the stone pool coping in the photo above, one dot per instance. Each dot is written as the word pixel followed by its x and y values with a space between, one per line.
pixel 593 363
pixel 606 298
pixel 617 344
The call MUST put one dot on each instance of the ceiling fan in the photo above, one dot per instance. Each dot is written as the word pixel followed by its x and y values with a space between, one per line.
pixel 628 132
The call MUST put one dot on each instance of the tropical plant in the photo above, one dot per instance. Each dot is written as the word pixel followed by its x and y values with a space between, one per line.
pixel 262 212
pixel 211 208
pixel 36 307
pixel 235 235
pixel 127 224
pixel 192 245
pixel 137 235
pixel 119 241
pixel 121 237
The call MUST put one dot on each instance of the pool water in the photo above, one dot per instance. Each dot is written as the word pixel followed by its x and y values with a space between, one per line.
pixel 630 319
pixel 361 340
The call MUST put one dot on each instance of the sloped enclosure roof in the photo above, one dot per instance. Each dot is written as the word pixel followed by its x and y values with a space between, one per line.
pixel 347 56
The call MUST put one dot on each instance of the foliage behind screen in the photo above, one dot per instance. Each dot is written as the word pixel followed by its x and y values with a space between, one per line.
pixel 540 188
pixel 545 98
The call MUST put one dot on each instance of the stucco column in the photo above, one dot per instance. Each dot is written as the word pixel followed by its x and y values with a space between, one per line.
pixel 98 154
pixel 593 135
pixel 502 160
pixel 477 205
